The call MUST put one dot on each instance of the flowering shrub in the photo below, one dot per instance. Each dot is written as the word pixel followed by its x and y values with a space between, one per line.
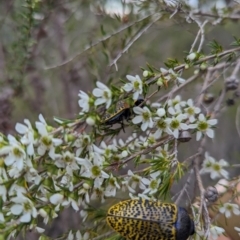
pixel 45 169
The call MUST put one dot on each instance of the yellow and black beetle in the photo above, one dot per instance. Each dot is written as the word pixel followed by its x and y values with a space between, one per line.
pixel 123 112
pixel 141 219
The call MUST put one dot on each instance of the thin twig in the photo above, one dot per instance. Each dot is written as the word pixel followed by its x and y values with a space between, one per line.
pixel 176 89
pixel 134 39
pixel 88 47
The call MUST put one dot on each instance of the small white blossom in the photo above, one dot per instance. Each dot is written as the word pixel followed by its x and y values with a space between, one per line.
pixel 228 208
pixel 46 142
pixel 191 111
pixel 144 116
pixel 84 101
pixel 16 155
pixel 24 207
pixel 84 191
pixel 103 94
pixel 83 142
pixel 2 219
pixel 135 181
pixel 162 126
pixel 204 126
pixel 72 202
pixel 84 214
pixel 176 102
pixel 28 138
pixel 79 236
pixel 44 215
pixel 153 184
pixel 215 168
pixel 116 8
pixel 93 168
pixel 70 236
pixel 98 194
pixel 176 124
pixel 174 76
pixel 32 175
pixel 56 198
pixel 135 85
pixel 238 230
pixel 3 192
pixel 70 162
pixel 215 232
pixel 112 187
pixel 171 3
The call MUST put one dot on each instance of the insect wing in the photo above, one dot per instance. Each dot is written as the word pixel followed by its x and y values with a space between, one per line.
pixel 143 220
pixel 111 118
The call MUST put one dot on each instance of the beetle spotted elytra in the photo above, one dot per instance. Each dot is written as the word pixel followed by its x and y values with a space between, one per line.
pixel 123 112
pixel 140 219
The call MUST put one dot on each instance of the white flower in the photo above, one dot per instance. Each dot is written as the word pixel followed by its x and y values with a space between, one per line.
pixel 215 232
pixel 162 126
pixel 228 208
pixel 15 154
pixel 103 94
pixel 44 215
pixel 98 194
pixel 32 175
pixel 84 101
pixel 144 117
pixel 92 168
pixel 112 187
pixel 83 142
pixel 176 124
pixel 70 162
pixel 204 126
pixel 135 85
pixel 2 219
pixel 116 8
pixel 153 184
pixel 47 142
pixel 16 190
pixel 191 111
pixel 56 198
pixel 79 236
pixel 70 236
pixel 3 192
pixel 238 230
pixel 134 181
pixel 172 3
pixel 84 191
pixel 24 207
pixel 176 102
pixel 28 138
pixel 215 168
pixel 72 202
pixel 174 76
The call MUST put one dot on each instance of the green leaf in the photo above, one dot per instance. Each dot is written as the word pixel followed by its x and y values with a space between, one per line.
pixel 171 63
pixel 236 43
pixel 215 47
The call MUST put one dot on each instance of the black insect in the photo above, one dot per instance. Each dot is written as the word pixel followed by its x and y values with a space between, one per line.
pixel 123 112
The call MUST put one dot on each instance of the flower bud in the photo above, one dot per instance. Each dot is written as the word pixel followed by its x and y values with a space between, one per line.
pixel 192 56
pixel 90 121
